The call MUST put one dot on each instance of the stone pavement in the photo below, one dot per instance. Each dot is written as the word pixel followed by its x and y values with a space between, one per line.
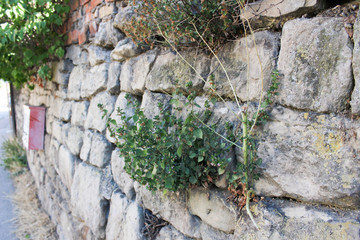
pixel 6 187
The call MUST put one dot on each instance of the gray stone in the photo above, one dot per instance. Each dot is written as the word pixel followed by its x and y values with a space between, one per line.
pixel 171 71
pixel 88 205
pixel 310 157
pixel 123 17
pixel 100 151
pixel 355 97
pixel 125 219
pixel 171 207
pixel 125 49
pixel 315 59
pixel 170 233
pixel 61 71
pixel 60 131
pixel 150 103
pixel 122 179
pixel 134 72
pixel 74 54
pixel 74 140
pixel 113 84
pixel 94 118
pixel 95 81
pixel 67 164
pixel 273 13
pixel 107 35
pixel 76 77
pixel 79 113
pixel 212 207
pixel 98 55
pixel 210 233
pixel 281 220
pixel 65 113
pixel 249 63
pixel 86 147
pixel 108 186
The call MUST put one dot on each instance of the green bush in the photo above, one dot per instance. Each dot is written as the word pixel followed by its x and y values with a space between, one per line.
pixel 14 156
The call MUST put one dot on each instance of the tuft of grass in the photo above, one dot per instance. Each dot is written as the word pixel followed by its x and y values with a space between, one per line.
pixel 14 156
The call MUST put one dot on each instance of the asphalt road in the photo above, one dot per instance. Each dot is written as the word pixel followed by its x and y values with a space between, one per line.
pixel 6 187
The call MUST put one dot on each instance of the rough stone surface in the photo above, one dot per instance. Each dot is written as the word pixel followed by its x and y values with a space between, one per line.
pixel 122 179
pixel 95 81
pixel 315 59
pixel 113 84
pixel 249 63
pixel 170 71
pixel 171 207
pixel 107 35
pixel 355 97
pixel 280 220
pixel 134 72
pixel 86 147
pixel 123 17
pixel 74 87
pixel 94 118
pixel 67 163
pixel 170 233
pixel 98 55
pixel 210 233
pixel 100 151
pixel 74 140
pixel 150 102
pixel 125 49
pixel 125 219
pixel 61 71
pixel 310 157
pixel 87 203
pixel 213 208
pixel 79 113
pixel 74 54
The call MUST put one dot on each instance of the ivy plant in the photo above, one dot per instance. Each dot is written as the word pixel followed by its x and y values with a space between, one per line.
pixel 30 37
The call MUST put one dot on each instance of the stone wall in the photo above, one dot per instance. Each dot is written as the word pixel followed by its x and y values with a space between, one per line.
pixel 310 148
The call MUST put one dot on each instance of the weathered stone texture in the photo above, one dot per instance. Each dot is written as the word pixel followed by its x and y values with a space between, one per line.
pixel 67 164
pixel 355 97
pixel 170 233
pixel 74 87
pixel 95 80
pixel 98 55
pixel 150 103
pixel 74 140
pixel 87 202
pixel 100 151
pixel 113 84
pixel 125 49
pixel 315 59
pixel 171 71
pixel 79 113
pixel 107 35
pixel 249 63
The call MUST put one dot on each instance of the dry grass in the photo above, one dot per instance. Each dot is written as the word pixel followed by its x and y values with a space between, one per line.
pixel 31 222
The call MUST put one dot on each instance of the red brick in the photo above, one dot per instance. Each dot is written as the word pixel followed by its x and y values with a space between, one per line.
pixel 83 35
pixel 109 0
pixel 82 2
pixel 74 4
pixel 93 27
pixel 94 3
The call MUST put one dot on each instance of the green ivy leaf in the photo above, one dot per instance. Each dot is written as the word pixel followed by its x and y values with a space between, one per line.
pixel 193 180
pixel 198 133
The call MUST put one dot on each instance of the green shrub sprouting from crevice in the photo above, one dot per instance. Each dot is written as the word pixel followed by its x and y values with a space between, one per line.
pixel 30 37
pixel 14 156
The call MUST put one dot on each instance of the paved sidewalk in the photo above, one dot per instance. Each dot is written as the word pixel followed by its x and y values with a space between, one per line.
pixel 6 187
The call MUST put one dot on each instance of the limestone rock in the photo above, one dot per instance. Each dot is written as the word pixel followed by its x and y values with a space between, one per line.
pixel 74 87
pixel 310 157
pixel 87 202
pixel 95 81
pixel 79 113
pixel 249 63
pixel 281 219
pixel 272 13
pixel 74 54
pixel 170 71
pixel 171 207
pixel 61 71
pixel 170 233
pixel 67 164
pixel 94 118
pixel 123 17
pixel 316 64
pixel 100 151
pixel 86 147
pixel 150 103
pixel 98 55
pixel 212 207
pixel 210 233
pixel 355 97
pixel 125 49
pixel 113 84
pixel 107 35
pixel 74 140
pixel 134 72
pixel 122 179
pixel 125 219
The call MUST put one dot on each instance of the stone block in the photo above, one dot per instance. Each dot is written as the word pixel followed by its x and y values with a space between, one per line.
pixel 170 233
pixel 134 72
pixel 315 59
pixel 125 49
pixel 171 71
pixel 88 205
pixel 123 17
pixel 107 35
pixel 78 74
pixel 310 157
pixel 94 118
pixel 113 84
pixel 95 81
pixel 355 97
pixel 86 147
pixel 79 113
pixel 150 103
pixel 100 151
pixel 249 63
pixel 171 207
pixel 125 219
pixel 98 55
pixel 212 208
pixel 67 164
pixel 74 54
pixel 122 179
pixel 74 140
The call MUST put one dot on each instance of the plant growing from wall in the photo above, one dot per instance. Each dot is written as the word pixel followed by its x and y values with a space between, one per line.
pixel 29 38
pixel 14 157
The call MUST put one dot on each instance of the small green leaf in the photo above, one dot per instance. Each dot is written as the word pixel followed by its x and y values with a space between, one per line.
pixel 192 180
pixel 198 133
pixel 179 150
pixel 200 158
pixel 192 155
